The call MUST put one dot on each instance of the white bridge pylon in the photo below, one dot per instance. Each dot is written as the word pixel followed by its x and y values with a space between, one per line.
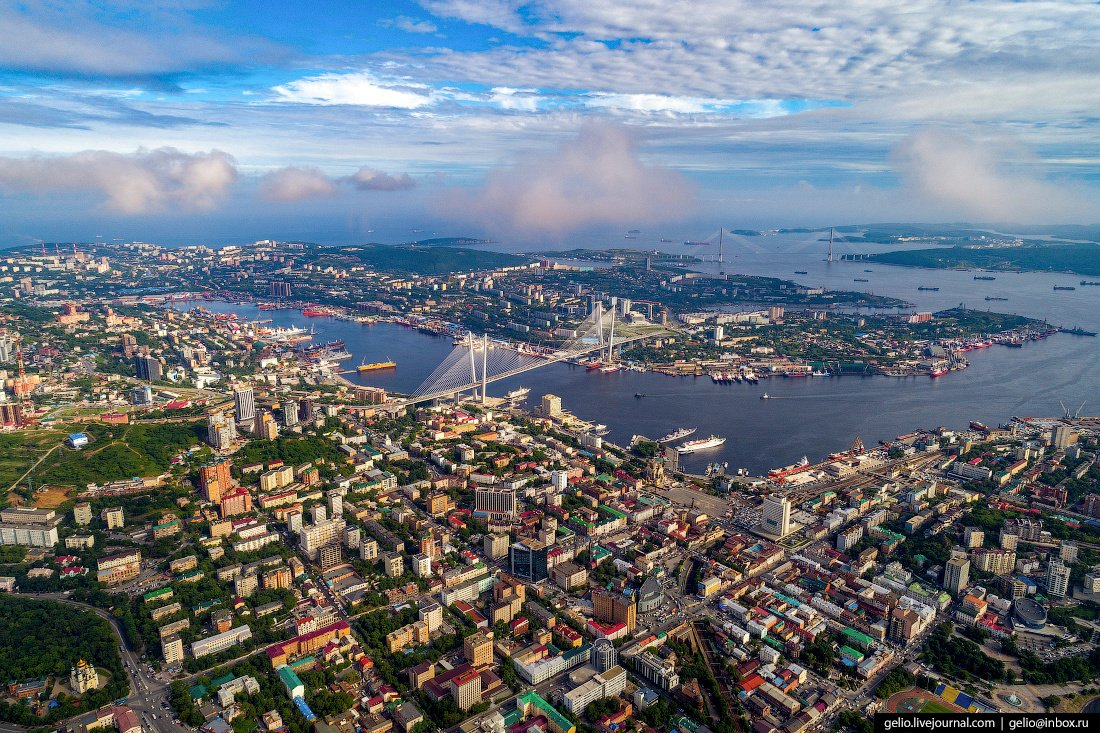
pixel 476 362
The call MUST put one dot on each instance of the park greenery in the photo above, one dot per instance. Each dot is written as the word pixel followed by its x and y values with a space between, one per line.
pixel 960 658
pixel 42 639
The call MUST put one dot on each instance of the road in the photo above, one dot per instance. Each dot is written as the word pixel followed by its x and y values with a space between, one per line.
pixel 148 694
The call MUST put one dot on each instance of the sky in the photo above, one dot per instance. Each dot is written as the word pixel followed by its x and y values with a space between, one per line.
pixel 549 122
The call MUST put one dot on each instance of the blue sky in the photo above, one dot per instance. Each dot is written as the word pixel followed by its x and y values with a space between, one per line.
pixel 545 121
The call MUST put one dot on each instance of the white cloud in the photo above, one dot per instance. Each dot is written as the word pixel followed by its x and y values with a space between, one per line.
pixel 369 179
pixel 143 182
pixel 296 184
pixel 411 25
pixel 977 179
pixel 594 179
pixel 356 88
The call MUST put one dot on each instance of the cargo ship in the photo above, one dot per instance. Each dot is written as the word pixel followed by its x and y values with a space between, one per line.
pixel 938 370
pixel 1064 287
pixel 984 277
pixel 316 312
pixel 1075 331
pixel 975 425
pixel 1089 282
pixel 376 365
pixel 697 445
pixel 677 434
pixel 925 287
pixel 994 297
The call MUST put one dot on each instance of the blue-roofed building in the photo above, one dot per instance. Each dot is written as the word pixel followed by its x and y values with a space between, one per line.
pixel 308 714
pixel 77 440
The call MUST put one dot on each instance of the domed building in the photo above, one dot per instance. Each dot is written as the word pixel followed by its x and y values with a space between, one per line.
pixel 83 677
pixel 650 595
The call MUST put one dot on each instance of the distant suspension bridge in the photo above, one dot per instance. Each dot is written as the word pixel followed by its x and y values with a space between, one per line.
pixel 477 362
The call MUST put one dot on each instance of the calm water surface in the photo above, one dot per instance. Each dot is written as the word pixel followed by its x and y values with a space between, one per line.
pixel 811 417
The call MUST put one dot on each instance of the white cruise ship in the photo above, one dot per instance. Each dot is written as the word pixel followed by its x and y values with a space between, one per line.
pixel 692 446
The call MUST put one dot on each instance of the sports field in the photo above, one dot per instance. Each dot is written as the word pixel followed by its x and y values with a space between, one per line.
pixel 936 707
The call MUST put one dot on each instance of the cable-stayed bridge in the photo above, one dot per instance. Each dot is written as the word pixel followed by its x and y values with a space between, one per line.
pixel 478 362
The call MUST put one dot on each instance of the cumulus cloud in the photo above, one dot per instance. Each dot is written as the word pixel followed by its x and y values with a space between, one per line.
pixel 143 182
pixel 369 179
pixel 296 184
pixel 594 179
pixel 977 179
pixel 357 88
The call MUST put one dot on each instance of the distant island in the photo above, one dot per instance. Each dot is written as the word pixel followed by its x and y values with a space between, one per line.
pixel 413 259
pixel 451 242
pixel 1080 259
pixel 619 255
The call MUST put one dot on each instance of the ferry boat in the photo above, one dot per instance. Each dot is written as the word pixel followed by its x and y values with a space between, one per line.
pixel 677 435
pixel 376 365
pixel 697 445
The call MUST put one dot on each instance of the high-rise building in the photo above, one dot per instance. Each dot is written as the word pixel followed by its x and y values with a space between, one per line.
pixel 244 404
pixel 956 574
pixel 289 411
pixel 559 480
pixel 172 648
pixel 615 608
pixel 528 560
pixel 149 369
pixel 776 516
pixel 1068 552
pixel 331 555
pixel 280 289
pixel 495 500
pixel 220 430
pixel 142 395
pixel 7 348
pixel 603 655
pixel 113 517
pixel 495 545
pixel 551 406
pixel 312 537
pixel 368 549
pixel 265 428
pixel 235 502
pixel 335 501
pixel 1057 580
pixel 1063 437
pixel 478 648
pixel 466 689
pixel 215 480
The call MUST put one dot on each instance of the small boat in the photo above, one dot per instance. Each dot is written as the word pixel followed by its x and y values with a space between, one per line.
pixel 821 373
pixel 765 396
pixel 639 395
pixel 925 287
pixel 868 270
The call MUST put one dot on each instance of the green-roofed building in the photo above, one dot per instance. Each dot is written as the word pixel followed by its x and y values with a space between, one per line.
pixel 531 703
pixel 857 638
pixel 293 685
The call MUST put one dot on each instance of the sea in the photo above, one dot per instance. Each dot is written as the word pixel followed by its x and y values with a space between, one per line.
pixel 802 417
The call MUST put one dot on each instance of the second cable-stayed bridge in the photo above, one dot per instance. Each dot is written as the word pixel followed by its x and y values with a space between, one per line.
pixel 477 362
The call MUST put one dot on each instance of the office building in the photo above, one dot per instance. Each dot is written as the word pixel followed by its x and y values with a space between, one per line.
pixel 496 501
pixel 528 560
pixel 603 656
pixel 478 648
pixel 495 545
pixel 466 689
pixel 615 608
pixel 956 574
pixel 244 405
pixel 605 684
pixel 148 368
pixel 776 517
pixel 221 642
pixel 1057 580
pixel 29 527
pixel 120 568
